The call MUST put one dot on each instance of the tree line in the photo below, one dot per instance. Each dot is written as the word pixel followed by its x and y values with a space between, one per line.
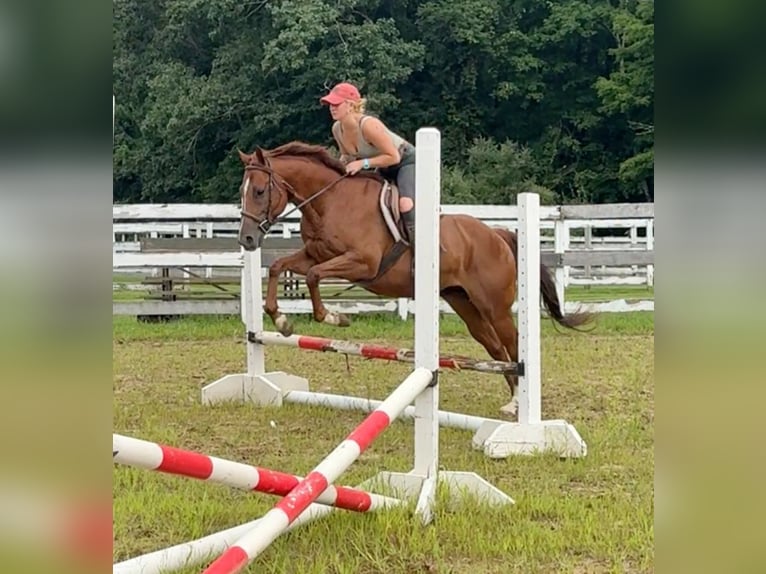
pixel 530 95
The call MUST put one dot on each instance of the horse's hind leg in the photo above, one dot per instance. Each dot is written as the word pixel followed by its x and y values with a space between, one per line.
pixel 497 311
pixel 486 335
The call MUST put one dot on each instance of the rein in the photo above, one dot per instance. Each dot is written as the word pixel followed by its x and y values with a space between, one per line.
pixel 311 197
pixel 266 224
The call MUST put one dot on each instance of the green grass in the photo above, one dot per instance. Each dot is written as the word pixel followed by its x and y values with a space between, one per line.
pixel 571 516
pixel 383 326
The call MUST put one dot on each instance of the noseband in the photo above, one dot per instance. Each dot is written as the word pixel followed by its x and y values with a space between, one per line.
pixel 265 224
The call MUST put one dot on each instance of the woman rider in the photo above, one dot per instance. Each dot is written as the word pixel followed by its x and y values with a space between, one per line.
pixel 366 143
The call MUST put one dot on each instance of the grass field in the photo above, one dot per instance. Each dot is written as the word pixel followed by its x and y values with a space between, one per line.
pixel 589 515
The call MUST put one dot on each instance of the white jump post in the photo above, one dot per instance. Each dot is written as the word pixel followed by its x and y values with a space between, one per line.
pixel 425 475
pixel 530 434
pixel 256 385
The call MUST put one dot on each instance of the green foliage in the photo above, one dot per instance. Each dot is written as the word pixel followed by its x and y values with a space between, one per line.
pixel 555 97
pixel 494 174
pixel 628 91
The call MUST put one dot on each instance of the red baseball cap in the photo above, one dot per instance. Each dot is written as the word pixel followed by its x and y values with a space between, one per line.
pixel 340 93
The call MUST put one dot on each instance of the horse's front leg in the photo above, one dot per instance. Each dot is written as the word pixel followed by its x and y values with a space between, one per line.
pixel 299 262
pixel 349 266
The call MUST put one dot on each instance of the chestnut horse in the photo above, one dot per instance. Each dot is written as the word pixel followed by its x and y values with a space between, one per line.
pixel 346 237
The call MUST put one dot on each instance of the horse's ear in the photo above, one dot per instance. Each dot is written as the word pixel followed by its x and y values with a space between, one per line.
pixel 259 155
pixel 243 156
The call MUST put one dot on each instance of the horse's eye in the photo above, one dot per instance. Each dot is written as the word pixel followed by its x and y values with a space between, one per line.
pixel 260 191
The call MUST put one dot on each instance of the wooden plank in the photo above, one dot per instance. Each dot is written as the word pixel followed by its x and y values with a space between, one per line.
pixel 593 281
pixel 617 258
pixel 608 223
pixel 217 307
pixel 550 259
pixel 192 280
pixel 233 259
pixel 608 211
pixel 146 227
pixel 220 259
pixel 191 244
pixel 180 212
pixel 231 212
pixel 504 213
pixel 192 295
pixel 174 211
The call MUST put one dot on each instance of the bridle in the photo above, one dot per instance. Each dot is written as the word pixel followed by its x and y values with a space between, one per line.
pixel 265 224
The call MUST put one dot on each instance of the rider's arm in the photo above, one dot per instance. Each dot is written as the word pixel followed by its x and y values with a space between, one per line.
pixel 375 132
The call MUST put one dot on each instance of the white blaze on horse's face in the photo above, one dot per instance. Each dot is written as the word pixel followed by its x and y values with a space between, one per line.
pixel 244 188
pixel 259 195
pixel 255 207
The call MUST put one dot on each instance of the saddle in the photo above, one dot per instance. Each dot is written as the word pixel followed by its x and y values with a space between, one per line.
pixel 389 208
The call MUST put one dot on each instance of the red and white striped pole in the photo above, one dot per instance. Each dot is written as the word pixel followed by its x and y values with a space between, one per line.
pixel 153 456
pixel 277 520
pixel 371 351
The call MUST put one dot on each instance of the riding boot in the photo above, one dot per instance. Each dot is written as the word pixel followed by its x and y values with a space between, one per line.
pixel 409 225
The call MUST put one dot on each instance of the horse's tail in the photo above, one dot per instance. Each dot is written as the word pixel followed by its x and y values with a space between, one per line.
pixel 547 287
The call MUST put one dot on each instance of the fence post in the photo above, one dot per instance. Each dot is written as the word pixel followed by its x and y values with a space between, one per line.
pixel 561 233
pixel 650 247
pixel 402 307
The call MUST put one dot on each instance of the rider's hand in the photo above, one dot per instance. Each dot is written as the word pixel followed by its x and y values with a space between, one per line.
pixel 354 167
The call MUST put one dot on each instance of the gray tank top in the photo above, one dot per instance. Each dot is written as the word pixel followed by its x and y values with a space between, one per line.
pixel 366 149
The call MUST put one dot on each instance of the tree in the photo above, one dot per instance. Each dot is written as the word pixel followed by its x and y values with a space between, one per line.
pixel 627 93
pixel 528 94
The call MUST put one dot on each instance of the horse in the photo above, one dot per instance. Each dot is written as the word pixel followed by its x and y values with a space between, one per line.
pixel 346 236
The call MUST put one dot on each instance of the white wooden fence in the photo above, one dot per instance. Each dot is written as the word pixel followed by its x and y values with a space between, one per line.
pixel 572 239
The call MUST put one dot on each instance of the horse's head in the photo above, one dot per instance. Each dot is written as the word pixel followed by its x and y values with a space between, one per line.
pixel 264 197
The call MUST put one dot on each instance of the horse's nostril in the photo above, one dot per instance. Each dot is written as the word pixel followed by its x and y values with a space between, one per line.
pixel 249 239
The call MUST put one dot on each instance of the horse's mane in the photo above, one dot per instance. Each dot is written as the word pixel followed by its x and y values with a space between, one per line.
pixel 303 149
pixel 318 153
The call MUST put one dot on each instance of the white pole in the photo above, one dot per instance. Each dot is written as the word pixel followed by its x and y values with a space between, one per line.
pixel 529 308
pixel 343 402
pixel 428 204
pixel 188 554
pixel 252 316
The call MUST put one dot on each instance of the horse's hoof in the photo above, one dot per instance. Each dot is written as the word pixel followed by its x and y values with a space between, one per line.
pixel 284 326
pixel 511 410
pixel 336 319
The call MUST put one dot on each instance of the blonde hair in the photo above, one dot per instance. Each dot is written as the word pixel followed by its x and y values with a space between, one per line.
pixel 358 107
